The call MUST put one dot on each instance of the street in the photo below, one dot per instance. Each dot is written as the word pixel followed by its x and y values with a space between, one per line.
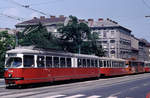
pixel 132 86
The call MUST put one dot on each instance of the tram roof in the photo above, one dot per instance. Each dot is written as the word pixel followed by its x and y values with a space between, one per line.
pixel 114 59
pixel 31 50
pixel 147 61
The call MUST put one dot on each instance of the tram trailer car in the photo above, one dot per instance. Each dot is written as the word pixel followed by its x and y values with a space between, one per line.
pixel 112 66
pixel 147 66
pixel 134 66
pixel 28 66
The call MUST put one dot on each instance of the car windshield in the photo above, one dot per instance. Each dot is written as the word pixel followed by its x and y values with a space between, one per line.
pixel 14 62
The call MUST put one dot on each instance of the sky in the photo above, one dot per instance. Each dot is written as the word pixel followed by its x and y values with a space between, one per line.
pixel 128 13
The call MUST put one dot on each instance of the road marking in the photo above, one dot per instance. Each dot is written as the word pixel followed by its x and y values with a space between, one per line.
pixel 133 88
pixel 3 93
pixel 112 97
pixel 75 96
pixel 115 94
pixel 18 95
pixel 94 96
pixel 55 96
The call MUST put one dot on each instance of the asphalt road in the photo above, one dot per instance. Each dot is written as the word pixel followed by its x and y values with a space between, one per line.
pixel 132 86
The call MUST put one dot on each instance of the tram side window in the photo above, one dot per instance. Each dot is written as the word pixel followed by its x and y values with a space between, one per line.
pixel 105 64
pixel 84 62
pixel 108 65
pixel 120 63
pixel 28 60
pixel 68 62
pixel 40 61
pixel 113 64
pixel 56 62
pixel 79 62
pixel 100 63
pixel 92 63
pixel 88 63
pixel 48 61
pixel 96 63
pixel 62 62
pixel 142 64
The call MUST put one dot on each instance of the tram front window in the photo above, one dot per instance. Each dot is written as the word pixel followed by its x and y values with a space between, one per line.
pixel 13 62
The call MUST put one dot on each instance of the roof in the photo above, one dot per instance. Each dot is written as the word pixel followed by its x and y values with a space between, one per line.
pixel 42 20
pixel 144 41
pixel 32 50
pixel 105 24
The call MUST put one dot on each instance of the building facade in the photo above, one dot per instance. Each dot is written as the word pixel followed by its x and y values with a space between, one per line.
pixel 115 39
pixel 134 47
pixel 144 50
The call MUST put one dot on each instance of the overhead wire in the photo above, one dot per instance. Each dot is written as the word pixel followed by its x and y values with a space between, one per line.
pixel 28 7
pixel 145 3
pixel 12 17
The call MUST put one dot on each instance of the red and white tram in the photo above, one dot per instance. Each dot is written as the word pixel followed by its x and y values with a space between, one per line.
pixel 29 65
pixel 112 66
pixel 135 66
pixel 26 66
pixel 147 66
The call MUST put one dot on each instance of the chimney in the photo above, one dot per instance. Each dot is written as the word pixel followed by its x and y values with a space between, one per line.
pixel 100 19
pixel 34 17
pixel 90 19
pixel 42 17
pixel 52 17
pixel 81 20
pixel 61 16
pixel 108 19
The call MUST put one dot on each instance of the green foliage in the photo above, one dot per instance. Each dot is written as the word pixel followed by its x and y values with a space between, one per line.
pixel 7 42
pixel 39 37
pixel 73 34
pixel 77 38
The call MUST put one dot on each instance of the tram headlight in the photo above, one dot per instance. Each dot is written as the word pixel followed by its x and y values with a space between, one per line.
pixel 10 75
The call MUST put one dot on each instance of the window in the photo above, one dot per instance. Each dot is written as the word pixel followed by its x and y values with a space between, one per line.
pixel 49 62
pixel 62 62
pixel 101 63
pixel 112 51
pixel 96 63
pixel 108 63
pixel 84 62
pixel 14 62
pixel 28 61
pixel 40 61
pixel 88 63
pixel 56 62
pixel 79 62
pixel 68 62
pixel 104 34
pixel 92 63
pixel 105 64
pixel 112 41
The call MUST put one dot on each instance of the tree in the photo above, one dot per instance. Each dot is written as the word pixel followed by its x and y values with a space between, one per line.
pixel 7 42
pixel 73 34
pixel 77 38
pixel 39 37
